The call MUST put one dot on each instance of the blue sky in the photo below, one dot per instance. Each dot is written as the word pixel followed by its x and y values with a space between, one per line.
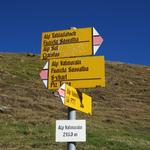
pixel 124 25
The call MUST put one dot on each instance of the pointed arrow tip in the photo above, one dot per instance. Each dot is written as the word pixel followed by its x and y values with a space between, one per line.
pixel 44 74
pixel 95 32
pixel 46 65
pixel 97 40
pixel 61 92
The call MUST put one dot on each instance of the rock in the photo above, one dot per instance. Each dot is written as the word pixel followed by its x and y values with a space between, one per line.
pixel 30 55
pixel 4 109
pixel 128 82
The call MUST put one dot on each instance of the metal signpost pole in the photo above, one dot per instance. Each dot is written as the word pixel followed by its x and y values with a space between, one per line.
pixel 71 116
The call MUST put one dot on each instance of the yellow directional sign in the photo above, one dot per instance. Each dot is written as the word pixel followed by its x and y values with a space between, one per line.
pixel 66 43
pixel 78 72
pixel 75 99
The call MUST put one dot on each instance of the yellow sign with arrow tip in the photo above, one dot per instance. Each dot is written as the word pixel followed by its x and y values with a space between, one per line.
pixel 67 43
pixel 78 72
pixel 73 98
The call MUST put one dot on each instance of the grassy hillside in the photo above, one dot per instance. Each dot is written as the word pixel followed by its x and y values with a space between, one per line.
pixel 28 111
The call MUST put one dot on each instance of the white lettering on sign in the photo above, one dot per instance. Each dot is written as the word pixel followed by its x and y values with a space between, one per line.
pixel 70 130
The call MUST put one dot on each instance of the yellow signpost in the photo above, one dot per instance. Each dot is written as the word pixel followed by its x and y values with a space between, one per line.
pixel 78 72
pixel 78 100
pixel 67 43
pixel 74 99
pixel 67 69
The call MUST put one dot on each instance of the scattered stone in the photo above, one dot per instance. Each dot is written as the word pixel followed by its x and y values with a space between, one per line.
pixel 128 82
pixel 131 83
pixel 56 94
pixel 30 54
pixel 4 109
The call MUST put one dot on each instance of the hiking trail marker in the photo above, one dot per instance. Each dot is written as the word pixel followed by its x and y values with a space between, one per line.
pixel 78 72
pixel 44 74
pixel 66 70
pixel 74 99
pixel 70 43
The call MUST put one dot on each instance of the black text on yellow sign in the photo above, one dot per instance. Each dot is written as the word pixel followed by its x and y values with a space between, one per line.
pixel 79 72
pixel 77 100
pixel 67 43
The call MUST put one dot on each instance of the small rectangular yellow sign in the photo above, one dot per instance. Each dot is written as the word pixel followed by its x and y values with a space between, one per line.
pixel 67 43
pixel 78 72
pixel 77 100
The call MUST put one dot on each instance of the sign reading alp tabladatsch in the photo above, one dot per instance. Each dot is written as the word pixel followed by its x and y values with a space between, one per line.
pixel 67 43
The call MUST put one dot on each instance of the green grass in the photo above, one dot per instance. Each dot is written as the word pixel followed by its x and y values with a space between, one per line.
pixel 118 139
pixel 21 66
pixel 26 135
pixel 42 136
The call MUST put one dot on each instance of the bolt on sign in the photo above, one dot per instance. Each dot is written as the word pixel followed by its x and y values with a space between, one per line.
pixel 73 98
pixel 70 43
